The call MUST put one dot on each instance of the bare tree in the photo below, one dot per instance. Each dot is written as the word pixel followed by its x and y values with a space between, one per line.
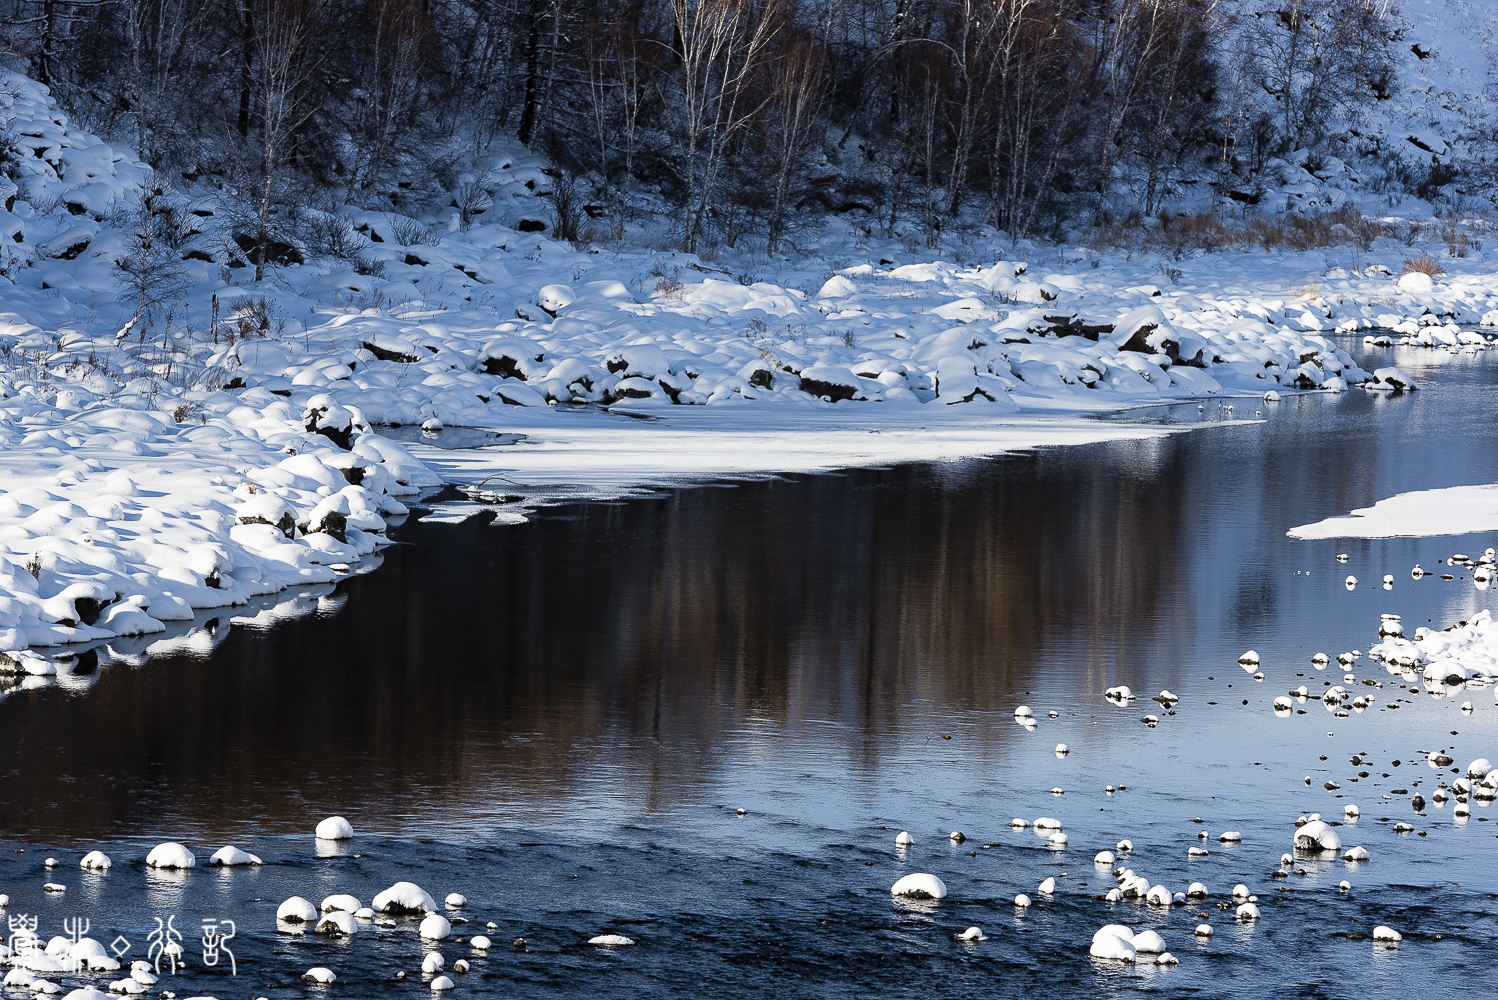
pixel 1314 56
pixel 795 109
pixel 287 58
pixel 719 46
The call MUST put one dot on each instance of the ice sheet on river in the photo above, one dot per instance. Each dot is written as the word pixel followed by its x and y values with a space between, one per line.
pixel 1455 510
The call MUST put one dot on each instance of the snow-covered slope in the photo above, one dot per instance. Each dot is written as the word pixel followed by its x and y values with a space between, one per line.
pixel 230 445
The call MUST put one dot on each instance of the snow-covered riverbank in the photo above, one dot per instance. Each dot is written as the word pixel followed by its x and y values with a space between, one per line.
pixel 230 446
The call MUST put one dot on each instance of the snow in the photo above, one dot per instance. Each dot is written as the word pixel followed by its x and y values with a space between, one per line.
pixel 1454 510
pixel 1113 942
pixel 404 897
pixel 96 861
pixel 611 940
pixel 334 827
pixel 231 855
pixel 296 910
pixel 170 856
pixel 338 923
pixel 435 927
pixel 920 886
pixel 341 901
pixel 131 499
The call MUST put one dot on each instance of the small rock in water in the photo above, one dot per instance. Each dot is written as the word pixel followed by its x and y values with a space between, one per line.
pixel 441 983
pixel 461 965
pixel 455 900
pixel 904 839
pixel 319 975
pixel 1048 887
pixel 1203 930
pixel 1388 935
pixel 95 861
pixel 972 934
pixel 1022 901
pixel 1062 750
pixel 1352 582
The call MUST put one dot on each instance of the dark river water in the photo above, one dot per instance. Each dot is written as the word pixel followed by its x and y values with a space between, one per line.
pixel 562 720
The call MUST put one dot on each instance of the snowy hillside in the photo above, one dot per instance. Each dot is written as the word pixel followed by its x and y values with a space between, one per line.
pixel 232 441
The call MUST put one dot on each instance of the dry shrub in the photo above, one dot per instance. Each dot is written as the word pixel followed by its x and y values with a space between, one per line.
pixel 1180 234
pixel 1423 264
pixel 669 287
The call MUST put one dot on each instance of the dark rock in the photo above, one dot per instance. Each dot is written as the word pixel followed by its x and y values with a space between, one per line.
pixel 383 355
pixel 827 390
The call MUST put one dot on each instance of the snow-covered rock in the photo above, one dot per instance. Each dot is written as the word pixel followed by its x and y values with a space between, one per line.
pixel 335 827
pixel 404 897
pixel 170 855
pixel 920 886
pixel 230 855
pixel 297 910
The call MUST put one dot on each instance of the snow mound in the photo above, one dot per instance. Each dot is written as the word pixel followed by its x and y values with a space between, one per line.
pixel 229 855
pixel 335 827
pixel 170 856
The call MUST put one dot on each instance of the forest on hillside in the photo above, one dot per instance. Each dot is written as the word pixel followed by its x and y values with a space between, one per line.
pixel 726 117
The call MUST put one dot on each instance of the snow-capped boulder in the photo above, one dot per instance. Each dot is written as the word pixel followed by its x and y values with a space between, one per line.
pixel 335 827
pixel 1317 836
pixel 230 855
pixel 404 897
pixel 920 886
pixel 170 855
pixel 297 910
pixel 435 927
